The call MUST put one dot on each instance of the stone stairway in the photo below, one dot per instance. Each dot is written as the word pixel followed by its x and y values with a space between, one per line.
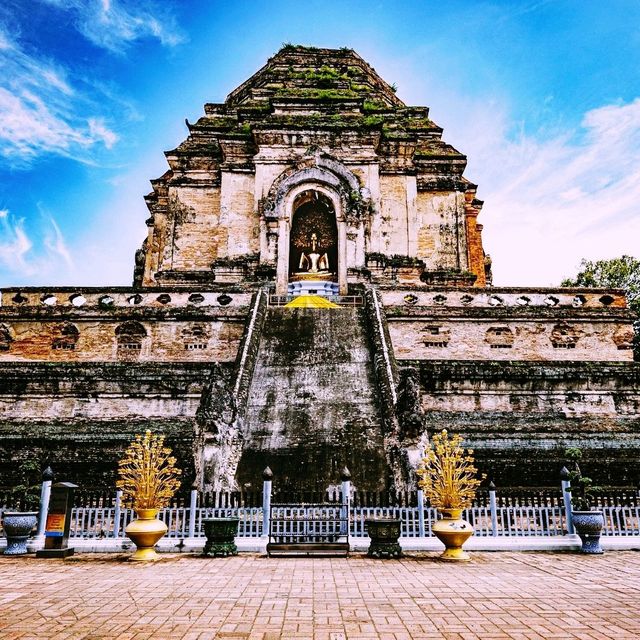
pixel 312 403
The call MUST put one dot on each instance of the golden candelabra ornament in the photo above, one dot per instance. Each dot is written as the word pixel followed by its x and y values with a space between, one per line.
pixel 148 479
pixel 450 479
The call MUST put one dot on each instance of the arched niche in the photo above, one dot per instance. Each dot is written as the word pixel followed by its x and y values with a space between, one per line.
pixel 322 207
pixel 313 239
pixel 324 178
pixel 65 337
pixel 130 339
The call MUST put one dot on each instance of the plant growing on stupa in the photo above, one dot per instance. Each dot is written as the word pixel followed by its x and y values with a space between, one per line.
pixel 26 493
pixel 582 496
pixel 147 475
pixel 447 473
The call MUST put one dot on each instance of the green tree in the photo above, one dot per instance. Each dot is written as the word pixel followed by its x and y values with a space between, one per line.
pixel 617 273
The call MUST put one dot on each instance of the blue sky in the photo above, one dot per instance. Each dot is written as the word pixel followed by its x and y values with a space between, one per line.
pixel 543 97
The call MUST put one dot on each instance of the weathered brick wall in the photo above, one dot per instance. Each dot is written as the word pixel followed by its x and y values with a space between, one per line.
pixel 149 326
pixel 165 341
pixel 500 338
pixel 438 232
pixel 239 220
pixel 519 417
pixel 80 417
pixel 397 207
pixel 475 251
pixel 509 324
pixel 197 237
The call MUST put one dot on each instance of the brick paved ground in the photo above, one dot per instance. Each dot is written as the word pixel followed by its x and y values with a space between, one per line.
pixel 498 595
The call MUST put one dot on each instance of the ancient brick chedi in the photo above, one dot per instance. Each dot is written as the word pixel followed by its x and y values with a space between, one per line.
pixel 314 179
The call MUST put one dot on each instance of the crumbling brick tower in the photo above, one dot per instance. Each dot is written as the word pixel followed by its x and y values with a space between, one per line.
pixel 313 177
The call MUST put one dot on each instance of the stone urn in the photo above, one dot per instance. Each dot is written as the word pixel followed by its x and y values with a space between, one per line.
pixel 221 534
pixel 453 532
pixel 589 525
pixel 384 534
pixel 145 531
pixel 17 527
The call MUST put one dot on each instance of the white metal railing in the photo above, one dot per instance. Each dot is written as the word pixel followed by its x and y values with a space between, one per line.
pixel 307 523
pixel 621 521
pixel 530 521
pixel 100 522
pixel 110 522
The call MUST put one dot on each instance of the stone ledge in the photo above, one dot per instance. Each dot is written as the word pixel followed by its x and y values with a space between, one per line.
pixel 524 371
pixel 568 543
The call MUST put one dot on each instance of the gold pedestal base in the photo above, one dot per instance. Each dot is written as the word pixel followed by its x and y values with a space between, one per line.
pixel 453 531
pixel 323 276
pixel 145 531
pixel 455 555
pixel 144 554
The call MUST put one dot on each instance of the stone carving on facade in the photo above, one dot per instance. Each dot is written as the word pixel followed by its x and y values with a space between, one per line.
pixel 623 337
pixel 130 337
pixel 434 335
pixel 322 170
pixel 565 336
pixel 409 408
pixel 218 434
pixel 500 337
pixel 5 338
pixel 196 336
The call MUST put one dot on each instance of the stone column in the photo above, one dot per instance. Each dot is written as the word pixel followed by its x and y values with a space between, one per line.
pixel 282 272
pixel 342 257
pixel 267 479
pixel 45 494
pixel 345 477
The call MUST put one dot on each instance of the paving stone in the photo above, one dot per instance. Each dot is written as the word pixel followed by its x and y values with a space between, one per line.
pixel 534 596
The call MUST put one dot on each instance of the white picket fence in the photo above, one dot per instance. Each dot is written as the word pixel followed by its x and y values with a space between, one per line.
pixel 621 521
pixel 110 522
pixel 99 522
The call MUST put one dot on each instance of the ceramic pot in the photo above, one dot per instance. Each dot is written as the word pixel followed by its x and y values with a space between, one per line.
pixel 588 525
pixel 453 532
pixel 384 534
pixel 221 533
pixel 145 531
pixel 17 527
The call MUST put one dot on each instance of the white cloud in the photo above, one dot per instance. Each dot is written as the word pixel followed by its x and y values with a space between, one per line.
pixel 40 255
pixel 54 241
pixel 100 252
pixel 5 43
pixel 100 132
pixel 551 201
pixel 114 24
pixel 42 112
pixel 15 244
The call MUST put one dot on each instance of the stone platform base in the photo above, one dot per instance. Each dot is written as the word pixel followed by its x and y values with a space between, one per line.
pixel 313 287
pixel 568 543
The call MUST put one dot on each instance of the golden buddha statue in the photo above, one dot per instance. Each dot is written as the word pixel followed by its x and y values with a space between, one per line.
pixel 314 262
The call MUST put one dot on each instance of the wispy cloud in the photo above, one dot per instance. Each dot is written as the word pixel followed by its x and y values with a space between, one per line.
pixel 115 24
pixel 54 241
pixel 15 243
pixel 41 253
pixel 43 111
pixel 552 200
pixel 47 107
